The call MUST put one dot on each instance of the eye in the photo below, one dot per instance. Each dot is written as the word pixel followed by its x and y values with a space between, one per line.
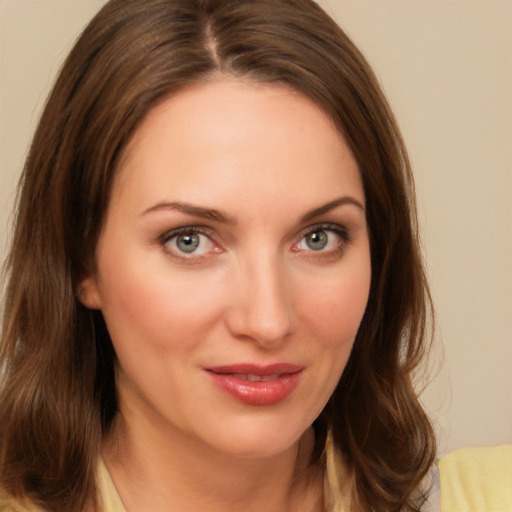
pixel 317 240
pixel 189 242
pixel 324 239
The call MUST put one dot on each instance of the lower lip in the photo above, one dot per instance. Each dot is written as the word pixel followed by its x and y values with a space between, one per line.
pixel 257 393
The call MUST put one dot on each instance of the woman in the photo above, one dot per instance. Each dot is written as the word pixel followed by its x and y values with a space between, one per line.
pixel 215 296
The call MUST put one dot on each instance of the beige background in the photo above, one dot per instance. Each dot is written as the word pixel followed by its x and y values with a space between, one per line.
pixel 446 67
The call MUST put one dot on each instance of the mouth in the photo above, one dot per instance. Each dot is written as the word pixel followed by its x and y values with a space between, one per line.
pixel 251 377
pixel 257 385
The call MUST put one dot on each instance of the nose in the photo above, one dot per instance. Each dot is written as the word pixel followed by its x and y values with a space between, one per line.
pixel 261 308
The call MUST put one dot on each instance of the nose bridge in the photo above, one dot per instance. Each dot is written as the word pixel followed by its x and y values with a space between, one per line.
pixel 262 309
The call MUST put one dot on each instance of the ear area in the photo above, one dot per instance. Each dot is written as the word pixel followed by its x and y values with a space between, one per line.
pixel 88 293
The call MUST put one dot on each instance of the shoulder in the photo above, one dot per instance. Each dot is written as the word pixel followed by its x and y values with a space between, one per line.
pixel 477 479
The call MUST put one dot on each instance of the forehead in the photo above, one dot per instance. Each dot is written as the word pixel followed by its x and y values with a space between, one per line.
pixel 232 138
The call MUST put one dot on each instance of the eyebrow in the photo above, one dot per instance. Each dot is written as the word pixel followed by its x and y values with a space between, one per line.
pixel 224 218
pixel 191 209
pixel 321 210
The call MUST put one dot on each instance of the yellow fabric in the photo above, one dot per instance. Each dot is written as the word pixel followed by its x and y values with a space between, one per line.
pixel 111 502
pixel 6 505
pixel 472 480
pixel 109 499
pixel 477 480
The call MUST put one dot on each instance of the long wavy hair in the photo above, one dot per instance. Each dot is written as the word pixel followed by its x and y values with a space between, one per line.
pixel 58 396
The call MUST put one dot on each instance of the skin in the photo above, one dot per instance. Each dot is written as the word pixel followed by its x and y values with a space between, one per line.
pixel 255 290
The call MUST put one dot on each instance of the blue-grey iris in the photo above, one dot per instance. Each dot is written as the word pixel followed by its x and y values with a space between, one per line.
pixel 317 240
pixel 187 242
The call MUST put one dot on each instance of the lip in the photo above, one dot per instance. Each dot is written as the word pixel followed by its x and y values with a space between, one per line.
pixel 253 384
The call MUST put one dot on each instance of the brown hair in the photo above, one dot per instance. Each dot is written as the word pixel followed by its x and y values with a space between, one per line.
pixel 57 395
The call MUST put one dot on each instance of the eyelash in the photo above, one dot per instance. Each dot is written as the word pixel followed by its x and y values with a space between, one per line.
pixel 187 230
pixel 337 229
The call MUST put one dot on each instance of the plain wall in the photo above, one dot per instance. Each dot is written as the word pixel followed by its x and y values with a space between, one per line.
pixel 446 67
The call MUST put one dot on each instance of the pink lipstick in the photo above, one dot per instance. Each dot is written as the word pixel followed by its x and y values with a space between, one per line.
pixel 257 385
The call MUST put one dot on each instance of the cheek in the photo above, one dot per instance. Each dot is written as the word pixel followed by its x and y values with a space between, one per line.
pixel 146 303
pixel 334 311
pixel 331 313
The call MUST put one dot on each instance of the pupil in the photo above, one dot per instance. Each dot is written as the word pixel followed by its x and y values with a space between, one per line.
pixel 188 243
pixel 317 240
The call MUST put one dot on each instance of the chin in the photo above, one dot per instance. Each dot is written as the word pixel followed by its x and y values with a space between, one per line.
pixel 251 441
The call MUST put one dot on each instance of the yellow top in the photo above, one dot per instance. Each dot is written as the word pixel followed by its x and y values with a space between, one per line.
pixel 472 480
pixel 111 502
pixel 477 480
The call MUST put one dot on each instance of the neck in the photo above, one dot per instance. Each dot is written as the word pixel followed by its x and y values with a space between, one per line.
pixel 153 471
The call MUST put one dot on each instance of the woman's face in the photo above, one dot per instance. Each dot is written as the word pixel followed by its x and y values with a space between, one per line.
pixel 233 268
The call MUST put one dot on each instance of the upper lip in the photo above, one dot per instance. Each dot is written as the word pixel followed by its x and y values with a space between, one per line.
pixel 256 369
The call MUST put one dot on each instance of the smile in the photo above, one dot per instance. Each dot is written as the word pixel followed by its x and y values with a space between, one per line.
pixel 257 385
